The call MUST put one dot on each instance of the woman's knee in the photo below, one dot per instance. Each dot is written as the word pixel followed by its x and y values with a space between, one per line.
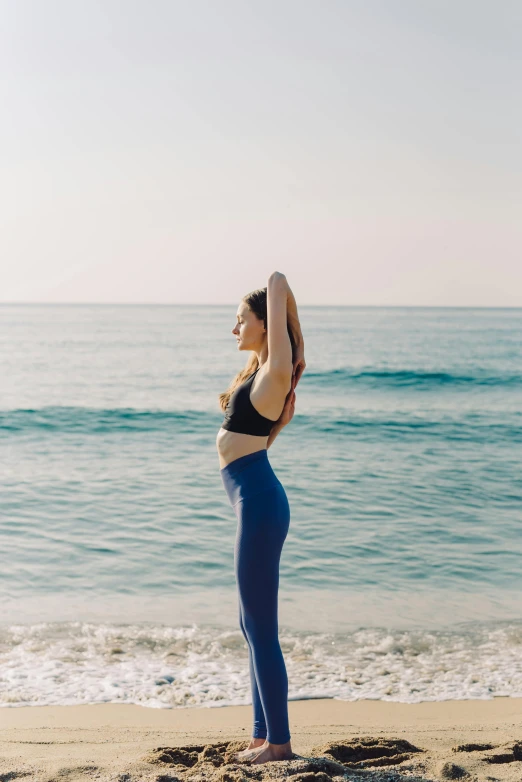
pixel 261 633
pixel 242 626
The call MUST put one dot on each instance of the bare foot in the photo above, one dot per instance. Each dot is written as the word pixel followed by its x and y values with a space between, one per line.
pixel 246 754
pixel 273 752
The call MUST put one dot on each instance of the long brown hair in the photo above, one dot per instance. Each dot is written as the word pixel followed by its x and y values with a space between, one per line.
pixel 256 302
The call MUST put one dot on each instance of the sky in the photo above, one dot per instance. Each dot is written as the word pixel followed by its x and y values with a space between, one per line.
pixel 165 151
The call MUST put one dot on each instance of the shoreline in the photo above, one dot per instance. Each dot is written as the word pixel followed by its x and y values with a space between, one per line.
pixel 120 741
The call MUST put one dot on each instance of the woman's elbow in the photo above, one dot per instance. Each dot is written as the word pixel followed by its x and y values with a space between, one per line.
pixel 276 277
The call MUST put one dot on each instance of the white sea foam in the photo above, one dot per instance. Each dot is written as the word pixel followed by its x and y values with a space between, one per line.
pixel 168 667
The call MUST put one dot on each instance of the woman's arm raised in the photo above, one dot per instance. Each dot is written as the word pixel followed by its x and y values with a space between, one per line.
pixel 299 362
pixel 293 317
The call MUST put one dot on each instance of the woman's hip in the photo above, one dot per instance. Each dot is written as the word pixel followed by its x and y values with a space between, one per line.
pixel 252 476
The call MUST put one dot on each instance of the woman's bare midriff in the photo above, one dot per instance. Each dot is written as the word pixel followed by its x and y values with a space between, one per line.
pixel 232 445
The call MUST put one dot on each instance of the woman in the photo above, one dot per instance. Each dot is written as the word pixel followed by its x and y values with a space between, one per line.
pixel 258 404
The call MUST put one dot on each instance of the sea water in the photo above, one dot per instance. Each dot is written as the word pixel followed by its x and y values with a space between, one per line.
pixel 400 578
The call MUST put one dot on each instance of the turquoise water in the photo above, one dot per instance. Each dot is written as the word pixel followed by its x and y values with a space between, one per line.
pixel 402 465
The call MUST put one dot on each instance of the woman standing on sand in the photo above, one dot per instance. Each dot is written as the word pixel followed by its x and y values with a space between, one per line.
pixel 258 404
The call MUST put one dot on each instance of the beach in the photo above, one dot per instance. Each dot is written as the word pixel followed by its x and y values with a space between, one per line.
pixel 476 740
pixel 202 201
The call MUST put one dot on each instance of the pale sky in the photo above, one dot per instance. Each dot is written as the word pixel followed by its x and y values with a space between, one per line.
pixel 179 151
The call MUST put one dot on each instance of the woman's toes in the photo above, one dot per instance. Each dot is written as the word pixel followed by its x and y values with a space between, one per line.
pixel 246 755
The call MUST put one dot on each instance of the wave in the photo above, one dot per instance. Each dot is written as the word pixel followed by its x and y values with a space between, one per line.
pixel 94 420
pixel 412 377
pixel 471 425
pixel 176 667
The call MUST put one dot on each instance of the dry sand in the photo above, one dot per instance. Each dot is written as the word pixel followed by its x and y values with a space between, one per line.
pixel 331 740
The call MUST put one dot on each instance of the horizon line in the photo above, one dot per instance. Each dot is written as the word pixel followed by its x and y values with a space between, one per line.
pixel 232 304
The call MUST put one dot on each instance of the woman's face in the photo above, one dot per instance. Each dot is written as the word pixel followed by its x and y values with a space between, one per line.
pixel 249 330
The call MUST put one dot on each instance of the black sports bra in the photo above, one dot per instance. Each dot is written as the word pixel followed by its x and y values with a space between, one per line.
pixel 241 415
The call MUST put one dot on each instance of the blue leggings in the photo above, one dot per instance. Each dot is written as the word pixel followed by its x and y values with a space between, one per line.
pixel 263 513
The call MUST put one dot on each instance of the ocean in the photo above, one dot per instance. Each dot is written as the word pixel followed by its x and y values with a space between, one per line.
pixel 400 577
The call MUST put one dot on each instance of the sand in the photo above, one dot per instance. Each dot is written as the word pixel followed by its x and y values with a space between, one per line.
pixel 331 740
